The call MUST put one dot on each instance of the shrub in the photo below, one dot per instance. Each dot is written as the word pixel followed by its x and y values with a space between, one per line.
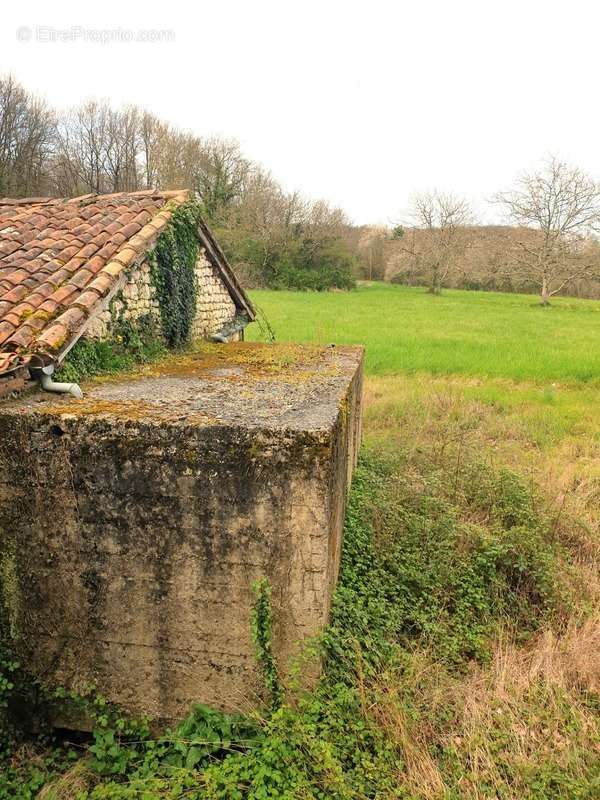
pixel 130 343
pixel 420 572
pixel 299 263
pixel 314 266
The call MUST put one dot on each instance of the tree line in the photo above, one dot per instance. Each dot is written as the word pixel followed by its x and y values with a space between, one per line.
pixel 280 239
pixel 549 245
pixel 273 237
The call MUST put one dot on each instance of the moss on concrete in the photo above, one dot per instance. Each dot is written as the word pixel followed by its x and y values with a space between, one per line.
pixel 10 588
pixel 291 362
pixel 243 384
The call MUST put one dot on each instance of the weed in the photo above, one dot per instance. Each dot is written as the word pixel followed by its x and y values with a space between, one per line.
pixel 461 662
pixel 262 633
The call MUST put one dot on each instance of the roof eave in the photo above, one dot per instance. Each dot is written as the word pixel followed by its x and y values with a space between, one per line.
pixel 219 261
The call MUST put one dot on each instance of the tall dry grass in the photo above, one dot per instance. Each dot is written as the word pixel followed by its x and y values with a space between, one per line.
pixel 489 733
pixel 528 720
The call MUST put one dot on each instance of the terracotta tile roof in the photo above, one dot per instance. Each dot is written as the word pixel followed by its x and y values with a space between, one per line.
pixel 61 259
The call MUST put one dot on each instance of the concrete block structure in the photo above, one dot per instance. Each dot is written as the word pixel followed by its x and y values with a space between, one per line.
pixel 136 519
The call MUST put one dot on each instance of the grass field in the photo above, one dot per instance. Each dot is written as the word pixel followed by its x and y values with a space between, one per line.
pixel 532 372
pixel 462 659
pixel 458 387
pixel 408 330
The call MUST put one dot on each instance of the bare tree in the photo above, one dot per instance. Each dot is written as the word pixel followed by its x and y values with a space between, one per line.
pixel 563 204
pixel 220 175
pixel 371 248
pixel 100 149
pixel 436 236
pixel 124 149
pixel 26 139
pixel 266 215
pixel 177 156
pixel 81 149
pixel 152 133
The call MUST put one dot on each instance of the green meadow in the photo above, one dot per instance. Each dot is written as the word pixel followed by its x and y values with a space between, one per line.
pixel 477 403
pixel 407 330
pixel 462 657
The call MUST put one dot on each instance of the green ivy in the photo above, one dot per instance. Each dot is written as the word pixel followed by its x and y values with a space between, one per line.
pixel 420 573
pixel 130 343
pixel 441 564
pixel 8 668
pixel 262 635
pixel 172 270
pixel 172 263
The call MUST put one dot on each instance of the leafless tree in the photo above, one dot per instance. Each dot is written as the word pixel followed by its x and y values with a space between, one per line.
pixel 563 204
pixel 221 174
pixel 370 243
pixel 262 224
pixel 178 155
pixel 323 220
pixel 152 133
pixel 81 149
pixel 26 139
pixel 265 214
pixel 124 149
pixel 99 149
pixel 436 235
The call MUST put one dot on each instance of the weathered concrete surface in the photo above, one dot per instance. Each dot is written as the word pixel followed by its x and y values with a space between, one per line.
pixel 134 521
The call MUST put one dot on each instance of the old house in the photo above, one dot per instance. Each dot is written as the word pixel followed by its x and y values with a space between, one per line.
pixel 136 516
pixel 77 267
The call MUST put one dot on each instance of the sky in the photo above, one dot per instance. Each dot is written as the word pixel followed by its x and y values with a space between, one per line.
pixel 362 104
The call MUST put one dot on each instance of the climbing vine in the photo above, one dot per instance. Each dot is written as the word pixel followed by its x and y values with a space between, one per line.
pixel 262 634
pixel 172 263
pixel 172 272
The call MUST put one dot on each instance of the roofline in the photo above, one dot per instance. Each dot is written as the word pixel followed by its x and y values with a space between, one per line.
pixel 219 260
pixel 213 251
pixel 168 194
pixel 120 264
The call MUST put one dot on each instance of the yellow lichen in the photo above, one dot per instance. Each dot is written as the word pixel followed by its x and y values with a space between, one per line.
pixel 10 586
pixel 130 410
pixel 285 363
pixel 45 315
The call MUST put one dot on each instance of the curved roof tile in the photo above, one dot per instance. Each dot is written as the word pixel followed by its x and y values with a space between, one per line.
pixel 59 259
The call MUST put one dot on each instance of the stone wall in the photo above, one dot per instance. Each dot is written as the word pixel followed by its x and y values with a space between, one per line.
pixel 138 300
pixel 135 521
pixel 214 306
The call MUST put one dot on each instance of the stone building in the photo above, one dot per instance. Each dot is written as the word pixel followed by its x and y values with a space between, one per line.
pixel 136 517
pixel 70 268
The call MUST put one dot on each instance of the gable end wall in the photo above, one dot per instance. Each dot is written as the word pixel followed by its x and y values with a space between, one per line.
pixel 214 306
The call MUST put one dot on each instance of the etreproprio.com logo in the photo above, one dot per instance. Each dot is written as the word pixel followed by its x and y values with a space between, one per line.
pixel 46 34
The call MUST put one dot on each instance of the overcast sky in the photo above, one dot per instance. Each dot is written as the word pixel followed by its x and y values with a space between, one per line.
pixel 361 103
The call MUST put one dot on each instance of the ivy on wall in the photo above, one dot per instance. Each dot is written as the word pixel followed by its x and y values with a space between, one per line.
pixel 172 272
pixel 172 269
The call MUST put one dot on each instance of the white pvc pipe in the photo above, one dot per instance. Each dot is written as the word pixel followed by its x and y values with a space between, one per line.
pixel 48 385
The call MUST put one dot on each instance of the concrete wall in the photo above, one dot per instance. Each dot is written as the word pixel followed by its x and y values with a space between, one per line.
pixel 214 306
pixel 135 521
